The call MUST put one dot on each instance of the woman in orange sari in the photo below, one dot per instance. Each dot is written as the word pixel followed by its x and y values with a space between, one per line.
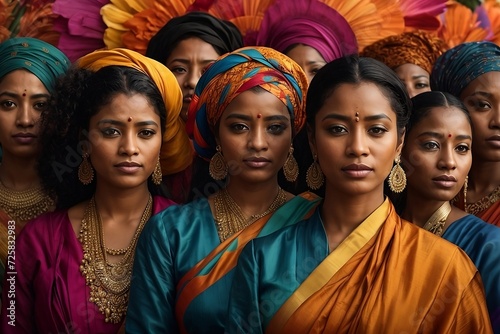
pixel 355 266
pixel 471 72
pixel 246 108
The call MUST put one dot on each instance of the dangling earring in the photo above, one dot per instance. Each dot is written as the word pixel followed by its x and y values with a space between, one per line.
pixel 397 177
pixel 218 167
pixel 466 184
pixel 291 168
pixel 157 175
pixel 85 170
pixel 314 176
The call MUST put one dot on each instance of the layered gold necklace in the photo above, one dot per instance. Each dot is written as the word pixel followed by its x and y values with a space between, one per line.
pixel 230 219
pixel 24 205
pixel 435 224
pixel 484 203
pixel 109 282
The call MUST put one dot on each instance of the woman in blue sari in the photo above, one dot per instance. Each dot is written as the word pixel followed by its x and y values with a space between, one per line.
pixel 437 157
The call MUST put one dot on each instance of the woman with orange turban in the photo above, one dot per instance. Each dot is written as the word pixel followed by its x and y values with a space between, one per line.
pixel 411 55
pixel 113 132
pixel 246 108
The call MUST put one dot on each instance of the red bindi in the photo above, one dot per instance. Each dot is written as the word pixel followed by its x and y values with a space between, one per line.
pixel 24 93
pixel 449 135
pixel 129 119
pixel 259 115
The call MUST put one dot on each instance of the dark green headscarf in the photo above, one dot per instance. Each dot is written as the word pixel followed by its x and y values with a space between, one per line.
pixel 40 58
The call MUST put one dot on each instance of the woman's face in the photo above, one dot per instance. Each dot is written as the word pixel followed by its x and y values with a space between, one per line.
pixel 255 135
pixel 356 139
pixel 23 98
pixel 436 154
pixel 308 58
pixel 188 61
pixel 125 140
pixel 415 78
pixel 482 99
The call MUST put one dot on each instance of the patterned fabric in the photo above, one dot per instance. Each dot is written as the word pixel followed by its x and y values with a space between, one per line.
pixel 40 58
pixel 457 67
pixel 176 153
pixel 416 48
pixel 310 23
pixel 235 73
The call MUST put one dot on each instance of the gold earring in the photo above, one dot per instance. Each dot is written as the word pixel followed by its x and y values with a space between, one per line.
pixel 314 176
pixel 291 168
pixel 397 177
pixel 157 175
pixel 466 184
pixel 85 170
pixel 218 167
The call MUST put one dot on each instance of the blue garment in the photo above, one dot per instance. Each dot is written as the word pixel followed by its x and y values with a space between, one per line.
pixel 481 241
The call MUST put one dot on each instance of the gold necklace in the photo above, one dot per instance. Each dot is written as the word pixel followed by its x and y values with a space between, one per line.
pixel 484 203
pixel 109 282
pixel 436 222
pixel 24 205
pixel 229 217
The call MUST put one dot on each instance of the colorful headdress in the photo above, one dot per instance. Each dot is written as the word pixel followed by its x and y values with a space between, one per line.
pixel 235 73
pixel 40 58
pixel 308 22
pixel 176 154
pixel 457 67
pixel 408 48
pixel 222 35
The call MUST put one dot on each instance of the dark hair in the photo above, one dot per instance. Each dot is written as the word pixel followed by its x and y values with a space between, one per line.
pixel 78 96
pixel 354 70
pixel 423 103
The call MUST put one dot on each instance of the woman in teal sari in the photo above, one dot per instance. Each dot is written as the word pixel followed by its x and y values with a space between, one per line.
pixel 437 158
pixel 246 109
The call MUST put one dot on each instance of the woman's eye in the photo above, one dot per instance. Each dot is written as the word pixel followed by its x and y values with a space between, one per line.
pixel 421 85
pixel 378 130
pixel 41 106
pixel 430 145
pixel 178 70
pixel 463 148
pixel 147 133
pixel 277 128
pixel 7 104
pixel 110 132
pixel 336 129
pixel 239 127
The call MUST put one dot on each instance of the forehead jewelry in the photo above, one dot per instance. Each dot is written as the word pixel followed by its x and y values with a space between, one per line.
pixel 357 117
pixel 259 115
pixel 24 93
pixel 129 119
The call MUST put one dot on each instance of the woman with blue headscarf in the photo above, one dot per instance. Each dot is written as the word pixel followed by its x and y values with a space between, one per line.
pixel 471 72
pixel 28 72
pixel 246 108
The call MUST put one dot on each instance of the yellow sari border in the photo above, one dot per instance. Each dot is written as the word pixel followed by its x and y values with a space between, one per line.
pixel 330 266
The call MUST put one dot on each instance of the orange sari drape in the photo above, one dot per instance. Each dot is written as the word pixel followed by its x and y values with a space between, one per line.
pixel 403 280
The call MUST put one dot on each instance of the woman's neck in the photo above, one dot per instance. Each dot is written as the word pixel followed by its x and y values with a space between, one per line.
pixel 18 173
pixel 253 199
pixel 418 210
pixel 483 179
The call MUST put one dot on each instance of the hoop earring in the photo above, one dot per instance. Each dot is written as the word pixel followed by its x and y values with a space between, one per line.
pixel 314 176
pixel 291 168
pixel 218 167
pixel 85 170
pixel 157 175
pixel 397 177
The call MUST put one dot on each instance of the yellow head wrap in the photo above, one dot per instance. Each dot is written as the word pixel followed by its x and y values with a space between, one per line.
pixel 176 150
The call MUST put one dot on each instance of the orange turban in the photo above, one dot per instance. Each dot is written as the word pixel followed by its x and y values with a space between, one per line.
pixel 176 150
pixel 416 48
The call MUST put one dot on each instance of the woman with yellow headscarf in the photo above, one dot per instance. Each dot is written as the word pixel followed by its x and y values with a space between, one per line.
pixel 114 131
pixel 246 108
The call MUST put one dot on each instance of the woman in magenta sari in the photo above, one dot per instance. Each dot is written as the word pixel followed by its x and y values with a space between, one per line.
pixel 113 131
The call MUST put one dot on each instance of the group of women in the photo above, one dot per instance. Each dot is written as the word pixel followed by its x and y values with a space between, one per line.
pixel 164 192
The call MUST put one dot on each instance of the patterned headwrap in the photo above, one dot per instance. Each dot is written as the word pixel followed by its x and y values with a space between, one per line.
pixel 416 48
pixel 176 153
pixel 222 35
pixel 307 22
pixel 457 67
pixel 40 58
pixel 238 72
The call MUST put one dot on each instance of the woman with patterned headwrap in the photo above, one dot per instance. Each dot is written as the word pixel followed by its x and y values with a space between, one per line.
pixel 471 72
pixel 245 110
pixel 411 55
pixel 115 129
pixel 28 71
